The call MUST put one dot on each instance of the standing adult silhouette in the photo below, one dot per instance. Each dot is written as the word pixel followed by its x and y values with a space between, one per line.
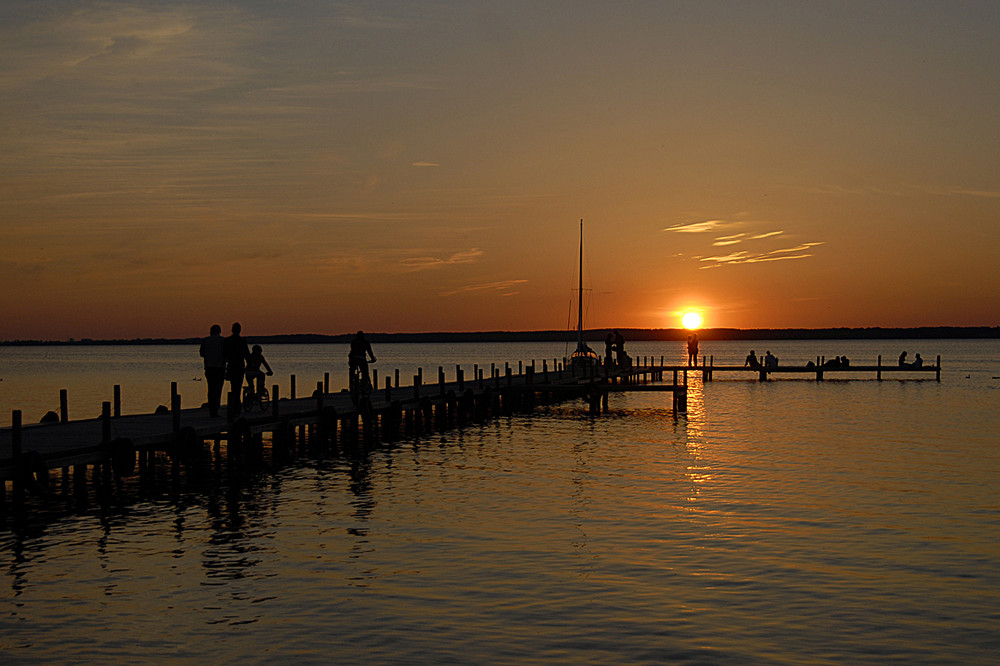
pixel 212 350
pixel 237 354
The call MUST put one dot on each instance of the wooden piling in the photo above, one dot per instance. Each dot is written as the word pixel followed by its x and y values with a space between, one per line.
pixel 63 406
pixel 117 408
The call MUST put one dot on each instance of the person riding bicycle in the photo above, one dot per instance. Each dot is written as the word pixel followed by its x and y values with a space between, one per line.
pixel 255 376
pixel 361 349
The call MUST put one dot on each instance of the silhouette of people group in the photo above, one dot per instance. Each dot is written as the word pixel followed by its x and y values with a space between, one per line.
pixel 770 361
pixel 917 361
pixel 230 358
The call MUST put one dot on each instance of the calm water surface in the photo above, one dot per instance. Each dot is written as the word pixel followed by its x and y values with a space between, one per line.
pixel 787 522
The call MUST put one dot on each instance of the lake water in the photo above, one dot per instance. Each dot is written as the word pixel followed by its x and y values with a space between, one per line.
pixel 787 522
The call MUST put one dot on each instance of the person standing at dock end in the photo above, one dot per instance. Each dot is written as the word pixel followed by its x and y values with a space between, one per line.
pixel 215 367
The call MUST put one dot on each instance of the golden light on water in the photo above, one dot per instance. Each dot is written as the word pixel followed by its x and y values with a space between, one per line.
pixel 692 320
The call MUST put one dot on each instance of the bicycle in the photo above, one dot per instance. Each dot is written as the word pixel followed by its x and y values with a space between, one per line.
pixel 251 397
pixel 360 384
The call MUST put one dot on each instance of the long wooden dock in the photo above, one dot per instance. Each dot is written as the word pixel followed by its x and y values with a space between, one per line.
pixel 118 445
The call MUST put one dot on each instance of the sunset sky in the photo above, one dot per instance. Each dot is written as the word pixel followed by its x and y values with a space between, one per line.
pixel 318 167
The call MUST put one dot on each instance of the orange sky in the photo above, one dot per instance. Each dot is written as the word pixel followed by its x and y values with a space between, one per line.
pixel 311 167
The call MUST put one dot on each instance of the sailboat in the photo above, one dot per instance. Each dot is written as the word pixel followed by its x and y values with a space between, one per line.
pixel 584 356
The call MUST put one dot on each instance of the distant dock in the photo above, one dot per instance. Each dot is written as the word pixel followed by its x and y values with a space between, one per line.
pixel 819 369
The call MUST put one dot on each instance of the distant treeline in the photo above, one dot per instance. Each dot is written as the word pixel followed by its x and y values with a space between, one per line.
pixel 591 335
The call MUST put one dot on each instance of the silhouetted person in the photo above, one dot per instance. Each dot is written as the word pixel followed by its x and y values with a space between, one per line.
pixel 752 361
pixel 770 360
pixel 918 362
pixel 609 348
pixel 237 355
pixel 255 376
pixel 693 349
pixel 902 360
pixel 619 347
pixel 215 367
pixel 361 350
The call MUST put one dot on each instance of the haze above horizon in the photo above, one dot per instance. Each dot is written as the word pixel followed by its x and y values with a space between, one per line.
pixel 408 167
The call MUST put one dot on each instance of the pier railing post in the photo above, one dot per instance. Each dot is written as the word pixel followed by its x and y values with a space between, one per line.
pixel 326 382
pixel 106 422
pixel 416 387
pixel 291 387
pixel 388 390
pixel 63 406
pixel 878 371
pixel 274 401
pixel 117 411
pixel 319 397
pixel 16 454
pixel 175 411
pixel 441 379
pixel 937 371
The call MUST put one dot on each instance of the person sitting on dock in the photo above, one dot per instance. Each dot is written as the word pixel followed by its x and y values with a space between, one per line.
pixel 609 348
pixel 918 362
pixel 361 350
pixel 902 361
pixel 770 360
pixel 255 376
pixel 752 361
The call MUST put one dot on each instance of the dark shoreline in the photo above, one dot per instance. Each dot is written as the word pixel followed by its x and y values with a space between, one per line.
pixel 591 335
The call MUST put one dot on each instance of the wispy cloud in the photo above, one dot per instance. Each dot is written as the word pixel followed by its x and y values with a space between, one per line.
pixel 744 257
pixel 697 227
pixel 503 285
pixel 425 263
pixel 426 164
pixel 729 240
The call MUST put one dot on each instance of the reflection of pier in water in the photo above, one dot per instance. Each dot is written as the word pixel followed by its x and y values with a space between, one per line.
pixel 101 452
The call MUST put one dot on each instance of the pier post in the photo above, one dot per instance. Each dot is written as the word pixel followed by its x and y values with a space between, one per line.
pixel 326 382
pixel 460 378
pixel 274 401
pixel 63 406
pixel 878 371
pixel 396 383
pixel 388 390
pixel 441 379
pixel 106 422
pixel 416 387
pixel 117 411
pixel 15 453
pixel 374 379
pixel 510 379
pixel 319 397
pixel 291 387
pixel 175 411
pixel 937 371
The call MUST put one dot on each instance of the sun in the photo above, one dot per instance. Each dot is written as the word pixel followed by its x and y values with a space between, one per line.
pixel 691 320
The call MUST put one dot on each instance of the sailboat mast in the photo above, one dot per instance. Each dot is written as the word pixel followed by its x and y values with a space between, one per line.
pixel 579 321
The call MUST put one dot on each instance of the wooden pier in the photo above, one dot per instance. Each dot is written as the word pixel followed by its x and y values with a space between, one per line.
pixel 116 446
pixel 819 369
